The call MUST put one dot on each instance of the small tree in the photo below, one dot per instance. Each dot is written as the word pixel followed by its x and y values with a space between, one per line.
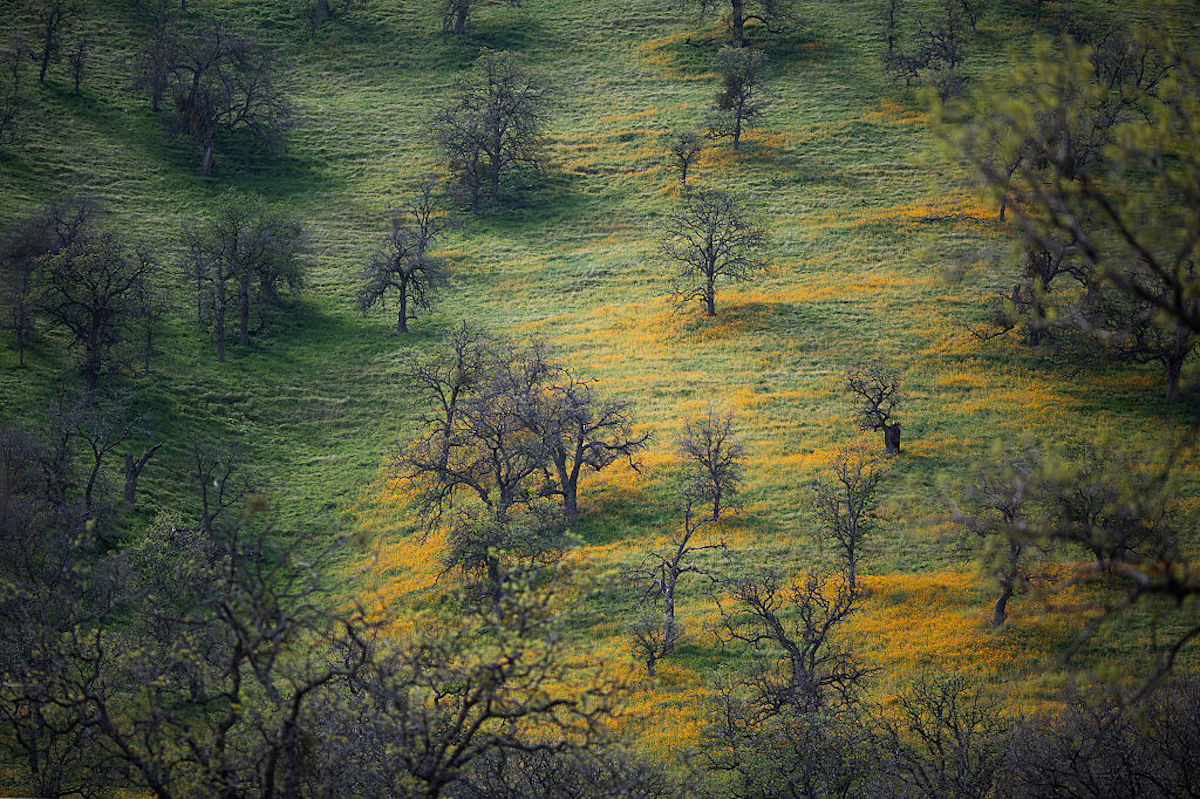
pixel 78 59
pixel 878 387
pixel 244 257
pixel 711 238
pixel 402 265
pixel 224 82
pixel 685 149
pixel 846 503
pixel 493 123
pixel 739 102
pixel 713 455
pixel 660 574
pixel 154 61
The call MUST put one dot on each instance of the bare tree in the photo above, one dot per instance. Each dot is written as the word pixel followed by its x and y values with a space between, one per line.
pixel 221 478
pixel 224 82
pixel 493 123
pixel 153 62
pixel 78 58
pixel 660 574
pixel 244 256
pixel 580 432
pixel 53 18
pixel 949 740
pixel 789 627
pixel 740 100
pixel 771 14
pixel 1001 502
pixel 711 238
pixel 846 503
pixel 133 471
pixel 685 149
pixel 713 454
pixel 402 265
pixel 878 387
pixel 89 290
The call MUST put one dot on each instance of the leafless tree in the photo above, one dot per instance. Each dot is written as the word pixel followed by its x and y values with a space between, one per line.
pixel 423 717
pixel 711 238
pixel 685 149
pixel 494 122
pixel 53 18
pixel 1000 503
pixel 789 627
pixel 89 289
pixel 78 58
pixel 846 503
pixel 221 478
pixel 771 14
pixel 741 98
pixel 950 740
pixel 580 432
pixel 244 256
pixel 878 387
pixel 133 471
pixel 660 574
pixel 403 265
pixel 154 60
pixel 225 82
pixel 713 455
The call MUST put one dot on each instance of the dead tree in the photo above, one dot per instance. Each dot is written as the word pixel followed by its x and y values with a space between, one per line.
pixel 878 387
pixel 133 471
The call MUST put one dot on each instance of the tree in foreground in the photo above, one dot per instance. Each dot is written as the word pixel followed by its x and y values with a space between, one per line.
pixel 713 455
pixel 224 82
pixel 242 259
pixel 878 388
pixel 402 266
pixel 739 102
pixel 494 122
pixel 710 239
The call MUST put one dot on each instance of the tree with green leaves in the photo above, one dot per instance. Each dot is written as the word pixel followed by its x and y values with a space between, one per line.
pixel 741 98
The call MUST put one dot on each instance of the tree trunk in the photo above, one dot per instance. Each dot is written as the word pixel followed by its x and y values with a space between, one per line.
pixel 221 329
pixel 1003 206
pixel 1000 609
pixel 570 500
pixel 891 438
pixel 716 505
pixel 739 23
pixel 323 9
pixel 206 158
pixel 133 470
pixel 668 645
pixel 460 17
pixel 244 311
pixel 1174 363
pixel 402 316
pixel 496 586
pixel 710 296
pixel 851 571
pixel 737 128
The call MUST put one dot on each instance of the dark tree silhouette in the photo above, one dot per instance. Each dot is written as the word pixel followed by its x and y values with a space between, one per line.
pixel 713 455
pixel 685 149
pixel 846 502
pixel 878 387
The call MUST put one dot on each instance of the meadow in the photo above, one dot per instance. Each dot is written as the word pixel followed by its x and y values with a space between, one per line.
pixel 880 249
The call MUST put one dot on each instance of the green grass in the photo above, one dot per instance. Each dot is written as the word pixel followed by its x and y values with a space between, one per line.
pixel 838 170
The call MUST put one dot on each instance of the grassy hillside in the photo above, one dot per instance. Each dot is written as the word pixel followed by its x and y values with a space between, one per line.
pixel 872 256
